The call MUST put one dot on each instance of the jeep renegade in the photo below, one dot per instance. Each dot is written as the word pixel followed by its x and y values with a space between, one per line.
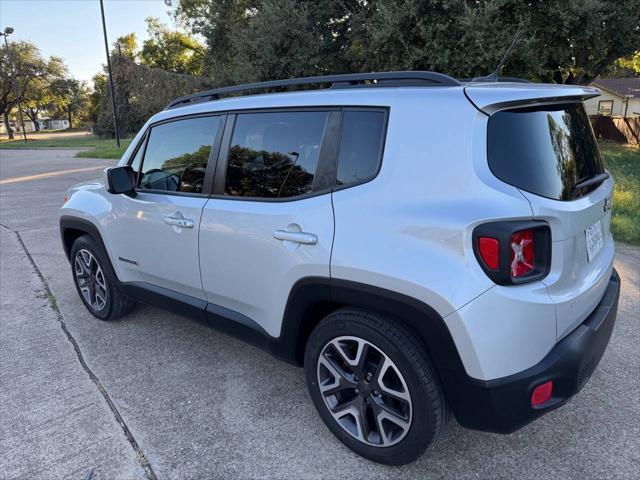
pixel 419 244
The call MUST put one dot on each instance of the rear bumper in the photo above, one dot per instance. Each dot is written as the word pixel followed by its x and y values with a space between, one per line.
pixel 504 405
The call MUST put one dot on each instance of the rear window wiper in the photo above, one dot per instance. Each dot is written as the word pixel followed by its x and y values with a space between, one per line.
pixel 590 182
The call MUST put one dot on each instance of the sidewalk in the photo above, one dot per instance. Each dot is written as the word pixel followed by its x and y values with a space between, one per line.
pixel 54 423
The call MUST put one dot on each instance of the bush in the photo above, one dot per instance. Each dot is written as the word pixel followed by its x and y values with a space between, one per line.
pixel 141 92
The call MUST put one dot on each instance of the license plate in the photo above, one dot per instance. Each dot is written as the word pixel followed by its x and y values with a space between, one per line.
pixel 594 238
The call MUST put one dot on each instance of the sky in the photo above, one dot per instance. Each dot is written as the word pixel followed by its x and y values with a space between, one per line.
pixel 72 29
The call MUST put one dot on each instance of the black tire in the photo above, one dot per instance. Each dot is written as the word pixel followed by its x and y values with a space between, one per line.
pixel 428 408
pixel 116 304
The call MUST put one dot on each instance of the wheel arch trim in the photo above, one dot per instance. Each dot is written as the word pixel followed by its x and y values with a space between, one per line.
pixel 421 319
pixel 69 222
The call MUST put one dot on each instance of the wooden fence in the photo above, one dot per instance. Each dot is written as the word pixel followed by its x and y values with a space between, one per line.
pixel 621 130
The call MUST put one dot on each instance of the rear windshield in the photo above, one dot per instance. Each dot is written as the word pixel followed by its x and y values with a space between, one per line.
pixel 544 150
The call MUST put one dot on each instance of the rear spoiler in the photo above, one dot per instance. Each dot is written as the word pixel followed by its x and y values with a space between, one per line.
pixel 491 97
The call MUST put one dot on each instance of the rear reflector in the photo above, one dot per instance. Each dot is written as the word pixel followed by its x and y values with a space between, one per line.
pixel 542 393
pixel 521 255
pixel 489 251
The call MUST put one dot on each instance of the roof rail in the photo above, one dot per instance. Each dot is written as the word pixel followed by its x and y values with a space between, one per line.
pixel 379 79
pixel 488 78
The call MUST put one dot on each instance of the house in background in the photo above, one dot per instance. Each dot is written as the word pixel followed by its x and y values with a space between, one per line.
pixel 620 98
pixel 53 124
pixel 43 123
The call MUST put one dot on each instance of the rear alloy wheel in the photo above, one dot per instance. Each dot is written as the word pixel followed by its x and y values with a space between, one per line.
pixel 372 384
pixel 364 391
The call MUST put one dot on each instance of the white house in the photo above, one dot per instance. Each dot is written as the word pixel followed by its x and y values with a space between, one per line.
pixel 43 123
pixel 620 97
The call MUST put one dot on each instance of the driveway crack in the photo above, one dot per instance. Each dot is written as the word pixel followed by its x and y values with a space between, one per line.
pixel 144 462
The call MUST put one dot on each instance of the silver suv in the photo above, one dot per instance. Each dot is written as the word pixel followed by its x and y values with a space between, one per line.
pixel 421 245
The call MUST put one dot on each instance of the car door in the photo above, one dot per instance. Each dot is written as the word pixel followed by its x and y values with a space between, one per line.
pixel 156 230
pixel 269 222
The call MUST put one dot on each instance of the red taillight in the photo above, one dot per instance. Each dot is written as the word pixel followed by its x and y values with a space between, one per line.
pixel 513 252
pixel 521 253
pixel 542 393
pixel 489 251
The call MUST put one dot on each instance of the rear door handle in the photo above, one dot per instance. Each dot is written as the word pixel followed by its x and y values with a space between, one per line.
pixel 296 237
pixel 178 222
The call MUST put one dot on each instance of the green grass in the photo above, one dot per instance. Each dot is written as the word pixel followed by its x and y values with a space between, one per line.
pixel 101 147
pixel 623 162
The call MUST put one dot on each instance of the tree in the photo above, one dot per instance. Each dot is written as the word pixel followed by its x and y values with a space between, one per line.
pixel 291 51
pixel 171 50
pixel 38 95
pixel 632 62
pixel 70 97
pixel 33 74
pixel 218 21
pixel 127 45
pixel 36 99
pixel 100 91
pixel 140 92
pixel 563 41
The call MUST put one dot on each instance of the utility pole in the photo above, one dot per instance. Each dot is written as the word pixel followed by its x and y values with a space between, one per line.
pixel 8 31
pixel 111 89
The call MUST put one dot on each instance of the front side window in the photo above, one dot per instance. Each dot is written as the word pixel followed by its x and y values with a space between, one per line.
pixel 275 154
pixel 360 146
pixel 177 154
pixel 605 107
pixel 137 158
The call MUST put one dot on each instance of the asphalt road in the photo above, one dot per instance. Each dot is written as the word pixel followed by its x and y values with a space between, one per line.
pixel 157 395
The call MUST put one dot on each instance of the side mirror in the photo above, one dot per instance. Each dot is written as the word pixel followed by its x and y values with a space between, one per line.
pixel 121 180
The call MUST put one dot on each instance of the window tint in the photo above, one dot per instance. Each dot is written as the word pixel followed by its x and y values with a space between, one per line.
pixel 177 155
pixel 544 150
pixel 274 155
pixel 360 146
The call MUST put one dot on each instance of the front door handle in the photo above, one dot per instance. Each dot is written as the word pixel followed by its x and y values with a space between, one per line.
pixel 178 222
pixel 296 237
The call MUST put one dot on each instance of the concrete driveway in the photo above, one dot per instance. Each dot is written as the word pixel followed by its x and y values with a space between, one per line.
pixel 155 395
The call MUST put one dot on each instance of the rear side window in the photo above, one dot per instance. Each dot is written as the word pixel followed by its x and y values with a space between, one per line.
pixel 545 150
pixel 274 155
pixel 177 154
pixel 360 146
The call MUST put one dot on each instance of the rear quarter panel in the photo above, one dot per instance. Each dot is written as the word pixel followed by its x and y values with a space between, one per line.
pixel 409 229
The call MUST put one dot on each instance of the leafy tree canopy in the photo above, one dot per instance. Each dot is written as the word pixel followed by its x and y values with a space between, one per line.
pixel 631 62
pixel 33 76
pixel 563 41
pixel 127 45
pixel 171 50
pixel 70 98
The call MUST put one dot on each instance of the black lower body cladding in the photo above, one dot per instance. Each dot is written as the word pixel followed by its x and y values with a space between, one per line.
pixel 504 405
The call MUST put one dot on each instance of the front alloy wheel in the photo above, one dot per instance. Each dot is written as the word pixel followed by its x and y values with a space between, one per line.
pixel 96 281
pixel 364 391
pixel 90 278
